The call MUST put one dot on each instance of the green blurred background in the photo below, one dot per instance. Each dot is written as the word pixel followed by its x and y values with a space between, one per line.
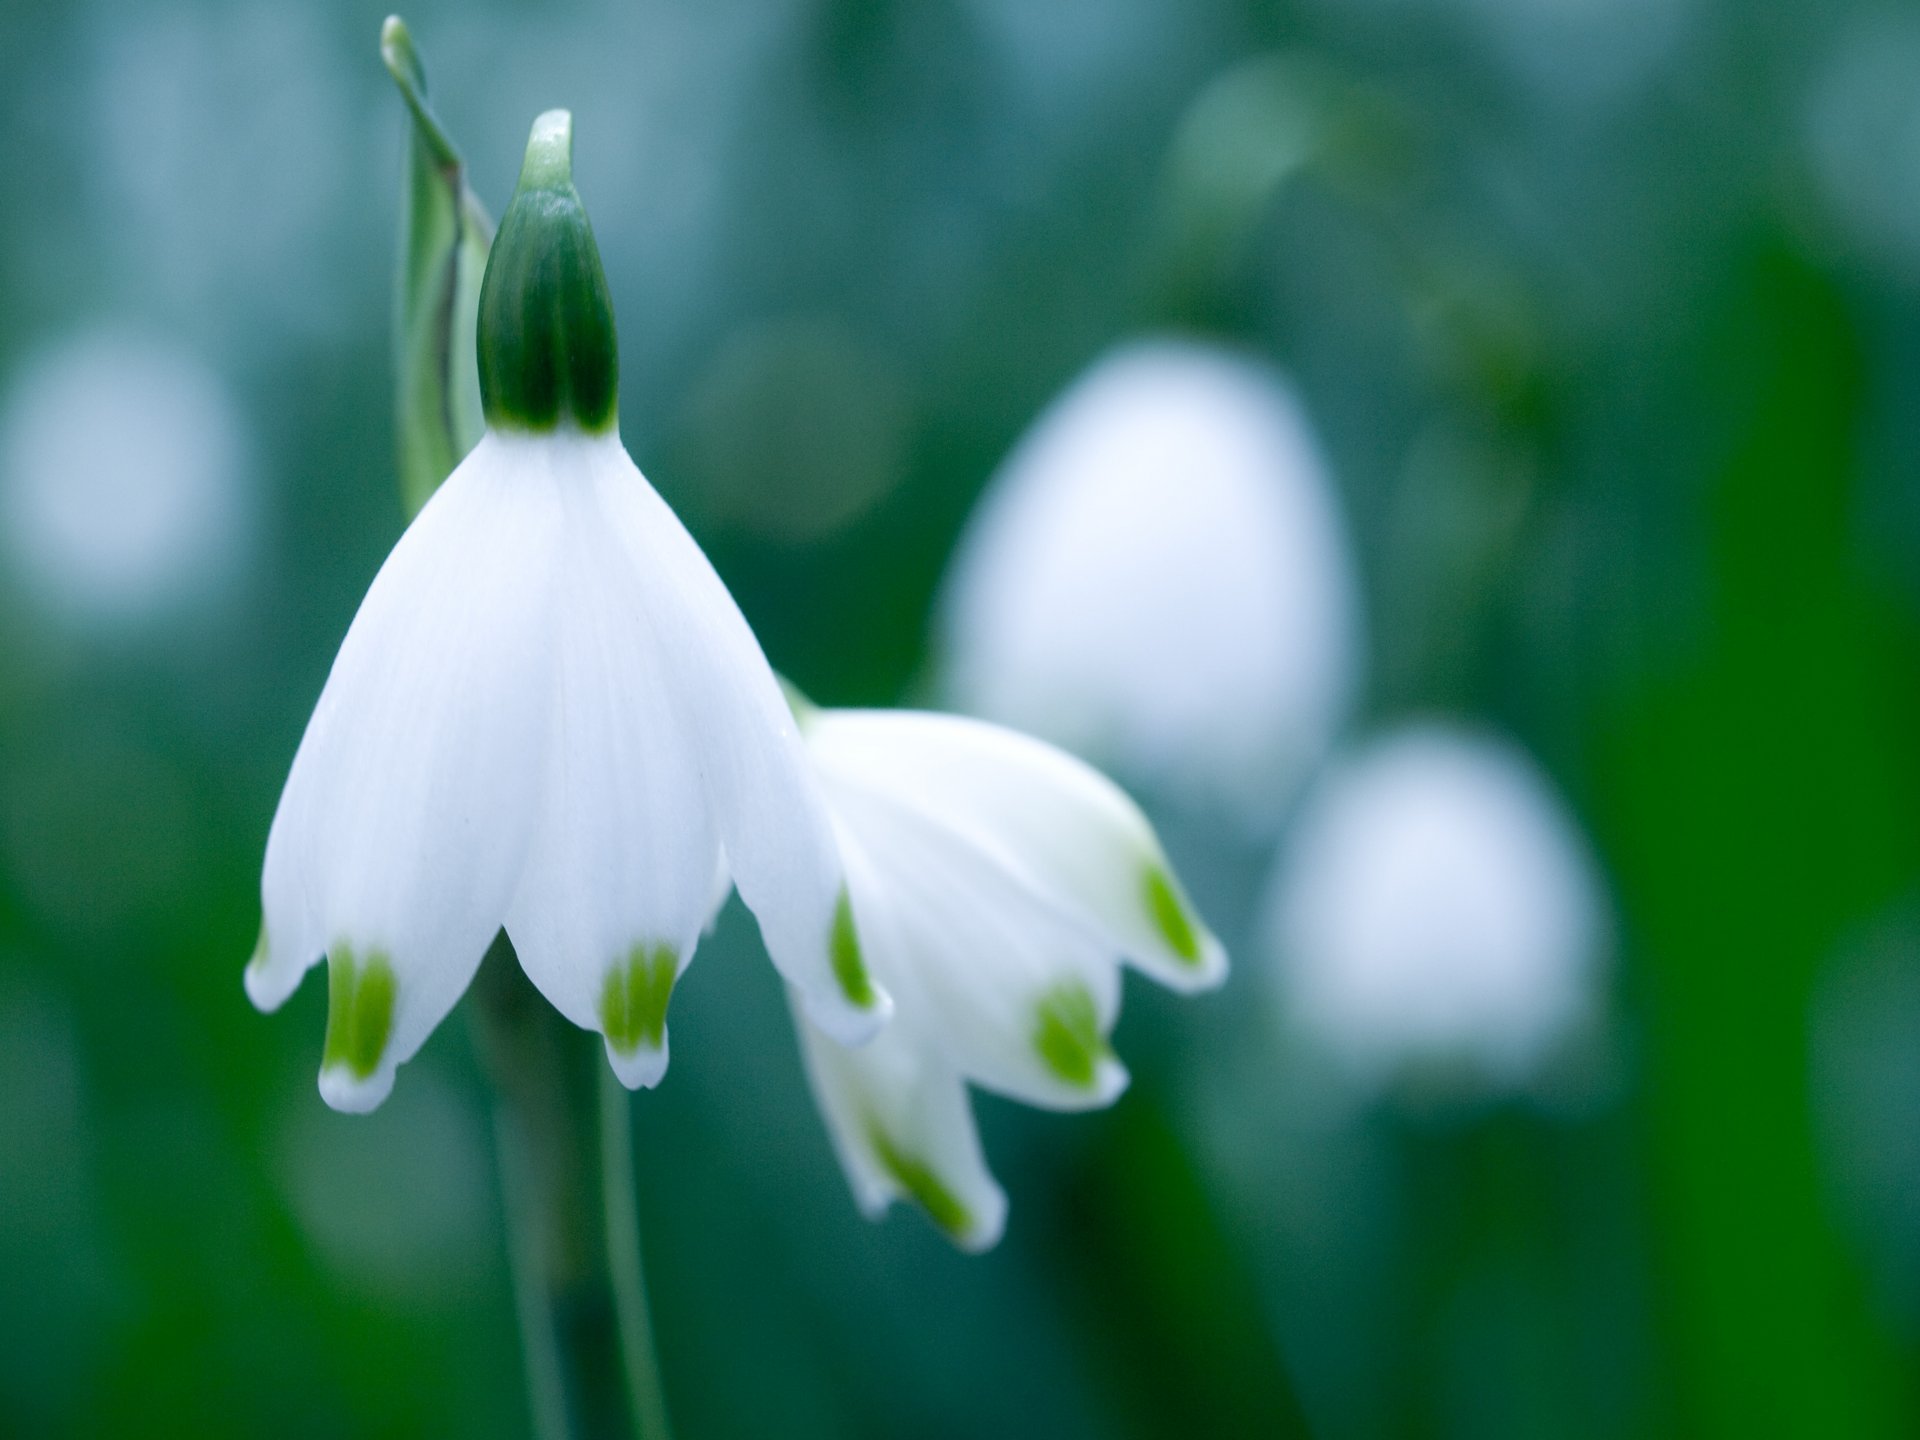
pixel 1607 313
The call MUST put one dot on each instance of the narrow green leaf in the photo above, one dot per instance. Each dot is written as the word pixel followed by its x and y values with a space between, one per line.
pixel 445 234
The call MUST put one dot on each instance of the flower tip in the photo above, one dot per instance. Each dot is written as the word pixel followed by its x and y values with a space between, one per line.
pixel 409 74
pixel 401 59
pixel 640 1068
pixel 847 1022
pixel 267 990
pixel 269 983
pixel 1110 1081
pixel 549 161
pixel 1206 971
pixel 1070 1040
pixel 352 1094
pixel 1211 973
pixel 987 1227
pixel 973 1223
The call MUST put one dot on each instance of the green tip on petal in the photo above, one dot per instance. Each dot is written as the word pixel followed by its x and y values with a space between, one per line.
pixel 1169 914
pixel 843 952
pixel 1067 1035
pixel 633 1001
pixel 547 349
pixel 922 1186
pixel 360 999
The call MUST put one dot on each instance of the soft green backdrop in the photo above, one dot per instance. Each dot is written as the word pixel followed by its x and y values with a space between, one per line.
pixel 1608 312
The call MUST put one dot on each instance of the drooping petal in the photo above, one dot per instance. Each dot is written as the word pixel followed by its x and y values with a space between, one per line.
pixel 1021 999
pixel 1054 822
pixel 903 1127
pixel 290 944
pixel 897 1108
pixel 620 876
pixel 773 825
pixel 404 823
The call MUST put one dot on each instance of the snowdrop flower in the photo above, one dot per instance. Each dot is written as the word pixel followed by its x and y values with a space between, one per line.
pixel 1158 579
pixel 1437 904
pixel 548 714
pixel 998 885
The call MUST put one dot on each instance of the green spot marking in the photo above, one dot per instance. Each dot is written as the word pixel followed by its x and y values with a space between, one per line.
pixel 1067 1034
pixel 843 950
pixel 359 1010
pixel 633 1002
pixel 258 960
pixel 925 1188
pixel 1169 914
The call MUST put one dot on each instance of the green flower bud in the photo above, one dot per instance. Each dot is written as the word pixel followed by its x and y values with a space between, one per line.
pixel 546 342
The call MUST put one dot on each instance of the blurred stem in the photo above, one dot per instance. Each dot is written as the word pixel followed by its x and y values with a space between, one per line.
pixel 641 1359
pixel 566 1172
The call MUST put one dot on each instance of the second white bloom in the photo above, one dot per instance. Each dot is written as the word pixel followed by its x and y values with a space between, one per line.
pixel 999 883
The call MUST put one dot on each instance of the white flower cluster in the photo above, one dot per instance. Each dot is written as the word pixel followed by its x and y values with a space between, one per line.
pixel 549 716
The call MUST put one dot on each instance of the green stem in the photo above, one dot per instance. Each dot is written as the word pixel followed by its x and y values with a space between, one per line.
pixel 623 1262
pixel 566 1170
pixel 539 1343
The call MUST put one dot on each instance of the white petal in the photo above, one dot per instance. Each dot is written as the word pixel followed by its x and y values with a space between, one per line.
pixel 903 1127
pixel 404 824
pixel 620 876
pixel 1058 825
pixel 779 842
pixel 290 943
pixel 1021 1000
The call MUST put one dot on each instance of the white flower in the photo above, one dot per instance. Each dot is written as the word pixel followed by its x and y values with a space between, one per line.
pixel 1437 904
pixel 998 885
pixel 548 715
pixel 1158 579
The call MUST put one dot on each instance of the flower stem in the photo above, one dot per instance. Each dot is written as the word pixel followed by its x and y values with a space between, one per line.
pixel 623 1262
pixel 566 1170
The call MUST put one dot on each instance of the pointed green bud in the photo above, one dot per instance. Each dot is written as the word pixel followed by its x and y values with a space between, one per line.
pixel 444 235
pixel 546 342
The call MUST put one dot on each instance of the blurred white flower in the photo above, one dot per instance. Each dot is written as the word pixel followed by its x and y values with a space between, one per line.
pixel 999 884
pixel 1158 579
pixel 550 715
pixel 121 487
pixel 1436 903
